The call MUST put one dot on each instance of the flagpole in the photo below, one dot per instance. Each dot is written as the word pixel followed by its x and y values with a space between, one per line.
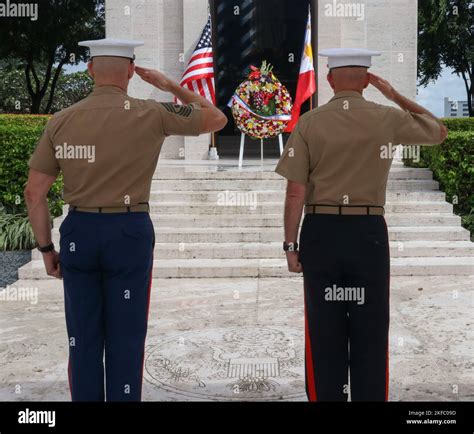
pixel 306 85
pixel 213 154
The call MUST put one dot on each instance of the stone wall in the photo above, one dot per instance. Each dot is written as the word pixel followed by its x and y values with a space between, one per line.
pixel 389 26
pixel 172 27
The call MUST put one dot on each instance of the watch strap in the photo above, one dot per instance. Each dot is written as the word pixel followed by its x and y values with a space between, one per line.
pixel 46 249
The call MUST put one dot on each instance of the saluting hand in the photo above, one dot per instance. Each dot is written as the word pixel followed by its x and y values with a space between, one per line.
pixel 294 264
pixel 383 86
pixel 51 263
pixel 155 78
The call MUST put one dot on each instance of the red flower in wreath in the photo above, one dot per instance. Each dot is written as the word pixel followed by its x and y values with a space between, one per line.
pixel 261 105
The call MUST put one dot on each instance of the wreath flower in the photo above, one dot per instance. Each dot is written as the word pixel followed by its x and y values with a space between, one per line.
pixel 261 105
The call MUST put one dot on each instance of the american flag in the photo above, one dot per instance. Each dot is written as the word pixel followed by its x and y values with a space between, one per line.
pixel 199 75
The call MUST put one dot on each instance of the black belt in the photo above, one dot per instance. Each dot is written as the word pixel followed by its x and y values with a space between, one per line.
pixel 345 209
pixel 141 207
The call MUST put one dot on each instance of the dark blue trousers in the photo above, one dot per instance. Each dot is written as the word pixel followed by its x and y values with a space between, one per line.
pixel 106 263
pixel 344 333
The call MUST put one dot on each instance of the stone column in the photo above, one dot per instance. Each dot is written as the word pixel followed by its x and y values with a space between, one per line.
pixel 159 23
pixel 389 26
pixel 195 13
pixel 172 27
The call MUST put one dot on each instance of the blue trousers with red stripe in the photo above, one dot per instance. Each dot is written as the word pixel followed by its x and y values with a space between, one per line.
pixel 346 268
pixel 106 262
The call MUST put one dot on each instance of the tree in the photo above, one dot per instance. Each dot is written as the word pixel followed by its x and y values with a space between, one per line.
pixel 72 88
pixel 446 38
pixel 14 97
pixel 50 42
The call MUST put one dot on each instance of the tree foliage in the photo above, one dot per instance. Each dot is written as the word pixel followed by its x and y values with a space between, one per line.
pixel 44 46
pixel 14 96
pixel 446 38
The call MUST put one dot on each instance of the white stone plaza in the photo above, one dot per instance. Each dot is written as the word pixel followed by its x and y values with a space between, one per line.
pixel 207 336
pixel 171 29
pixel 226 319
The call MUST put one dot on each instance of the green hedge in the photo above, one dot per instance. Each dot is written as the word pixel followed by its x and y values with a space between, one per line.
pixel 19 135
pixel 452 164
pixel 459 124
pixel 15 232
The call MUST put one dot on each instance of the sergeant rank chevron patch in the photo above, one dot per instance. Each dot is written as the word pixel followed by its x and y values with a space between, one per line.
pixel 180 110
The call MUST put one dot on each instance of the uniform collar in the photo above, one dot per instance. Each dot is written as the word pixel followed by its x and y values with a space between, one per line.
pixel 107 90
pixel 347 94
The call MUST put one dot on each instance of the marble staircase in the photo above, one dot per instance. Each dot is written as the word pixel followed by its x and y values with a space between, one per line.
pixel 228 223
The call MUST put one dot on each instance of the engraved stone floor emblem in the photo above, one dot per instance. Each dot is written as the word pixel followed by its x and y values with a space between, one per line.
pixel 237 363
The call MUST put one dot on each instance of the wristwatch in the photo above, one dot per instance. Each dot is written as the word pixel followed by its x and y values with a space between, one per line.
pixel 290 247
pixel 46 249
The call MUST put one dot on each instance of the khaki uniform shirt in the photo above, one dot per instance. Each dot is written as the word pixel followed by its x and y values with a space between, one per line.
pixel 337 150
pixel 107 146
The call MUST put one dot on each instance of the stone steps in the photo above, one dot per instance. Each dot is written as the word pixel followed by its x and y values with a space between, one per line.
pixel 194 174
pixel 249 185
pixel 229 268
pixel 274 250
pixel 265 235
pixel 201 232
pixel 197 208
pixel 276 220
pixel 264 196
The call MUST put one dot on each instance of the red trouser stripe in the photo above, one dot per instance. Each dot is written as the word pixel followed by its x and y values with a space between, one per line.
pixel 386 376
pixel 387 366
pixel 69 375
pixel 309 361
pixel 147 315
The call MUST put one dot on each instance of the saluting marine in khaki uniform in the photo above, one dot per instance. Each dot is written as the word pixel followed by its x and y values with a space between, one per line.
pixel 337 169
pixel 107 148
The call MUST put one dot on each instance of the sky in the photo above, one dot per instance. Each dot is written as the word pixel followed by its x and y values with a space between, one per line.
pixel 448 85
pixel 431 97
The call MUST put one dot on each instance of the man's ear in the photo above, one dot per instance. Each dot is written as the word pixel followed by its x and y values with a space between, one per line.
pixel 90 68
pixel 330 80
pixel 367 81
pixel 131 70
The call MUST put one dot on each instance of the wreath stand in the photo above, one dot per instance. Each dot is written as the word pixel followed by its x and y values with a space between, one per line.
pixel 242 146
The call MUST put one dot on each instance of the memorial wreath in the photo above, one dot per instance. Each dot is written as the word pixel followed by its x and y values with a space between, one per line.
pixel 261 105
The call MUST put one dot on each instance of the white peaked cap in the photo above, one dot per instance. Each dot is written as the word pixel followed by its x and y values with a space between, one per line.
pixel 343 57
pixel 112 47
